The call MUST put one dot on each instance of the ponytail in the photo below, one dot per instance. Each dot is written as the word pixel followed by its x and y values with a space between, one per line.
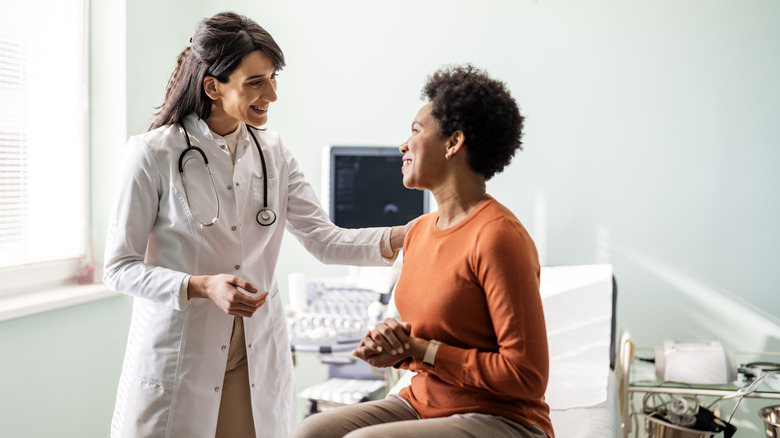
pixel 177 105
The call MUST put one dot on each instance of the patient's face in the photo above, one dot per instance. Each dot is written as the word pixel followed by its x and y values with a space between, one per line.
pixel 423 160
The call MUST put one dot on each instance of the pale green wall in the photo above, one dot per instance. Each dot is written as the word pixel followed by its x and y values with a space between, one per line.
pixel 59 370
pixel 650 144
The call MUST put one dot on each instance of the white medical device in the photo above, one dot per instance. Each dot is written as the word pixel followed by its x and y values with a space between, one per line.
pixel 693 362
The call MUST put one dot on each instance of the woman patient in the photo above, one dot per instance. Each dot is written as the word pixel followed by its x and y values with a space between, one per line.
pixel 473 327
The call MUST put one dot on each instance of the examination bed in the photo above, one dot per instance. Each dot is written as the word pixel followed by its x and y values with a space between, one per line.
pixel 579 306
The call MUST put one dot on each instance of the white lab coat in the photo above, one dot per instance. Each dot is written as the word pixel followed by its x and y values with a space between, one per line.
pixel 176 350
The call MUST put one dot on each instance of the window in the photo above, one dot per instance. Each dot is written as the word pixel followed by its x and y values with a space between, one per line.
pixel 43 142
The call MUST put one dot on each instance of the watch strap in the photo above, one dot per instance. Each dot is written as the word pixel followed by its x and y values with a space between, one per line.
pixel 430 353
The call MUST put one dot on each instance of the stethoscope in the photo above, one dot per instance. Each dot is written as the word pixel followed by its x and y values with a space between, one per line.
pixel 265 216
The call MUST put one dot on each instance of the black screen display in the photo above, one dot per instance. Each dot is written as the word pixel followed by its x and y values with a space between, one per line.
pixel 366 188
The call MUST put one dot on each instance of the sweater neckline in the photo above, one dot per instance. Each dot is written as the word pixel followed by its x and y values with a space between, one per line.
pixel 466 220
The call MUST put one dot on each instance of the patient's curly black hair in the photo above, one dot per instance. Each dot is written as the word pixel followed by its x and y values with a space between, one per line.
pixel 465 98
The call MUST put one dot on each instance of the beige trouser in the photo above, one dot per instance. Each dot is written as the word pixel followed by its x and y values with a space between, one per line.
pixel 394 417
pixel 235 408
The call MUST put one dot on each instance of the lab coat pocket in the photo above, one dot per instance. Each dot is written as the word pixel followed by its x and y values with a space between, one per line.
pixel 157 334
pixel 147 410
pixel 262 201
pixel 178 208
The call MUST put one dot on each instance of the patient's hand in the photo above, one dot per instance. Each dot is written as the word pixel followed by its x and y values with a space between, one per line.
pixel 387 344
pixel 379 360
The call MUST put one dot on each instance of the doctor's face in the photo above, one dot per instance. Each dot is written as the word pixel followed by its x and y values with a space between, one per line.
pixel 249 91
pixel 423 160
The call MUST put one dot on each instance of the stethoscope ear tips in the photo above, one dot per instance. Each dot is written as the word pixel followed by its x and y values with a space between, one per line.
pixel 266 217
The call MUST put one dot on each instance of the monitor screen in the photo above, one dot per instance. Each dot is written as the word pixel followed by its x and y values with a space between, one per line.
pixel 364 188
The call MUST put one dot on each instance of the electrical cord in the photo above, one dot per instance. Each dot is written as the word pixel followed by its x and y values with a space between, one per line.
pixel 765 366
pixel 742 392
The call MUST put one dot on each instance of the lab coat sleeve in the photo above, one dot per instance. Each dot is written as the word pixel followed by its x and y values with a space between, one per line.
pixel 133 215
pixel 308 222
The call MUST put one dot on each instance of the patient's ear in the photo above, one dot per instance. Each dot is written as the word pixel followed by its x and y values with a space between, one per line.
pixel 455 141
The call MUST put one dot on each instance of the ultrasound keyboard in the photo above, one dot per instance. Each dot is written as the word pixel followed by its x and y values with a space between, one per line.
pixel 334 316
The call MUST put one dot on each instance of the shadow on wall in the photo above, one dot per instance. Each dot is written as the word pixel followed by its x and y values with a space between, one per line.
pixel 738 324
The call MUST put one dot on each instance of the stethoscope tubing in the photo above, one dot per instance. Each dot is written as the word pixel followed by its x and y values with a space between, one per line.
pixel 264 217
pixel 190 147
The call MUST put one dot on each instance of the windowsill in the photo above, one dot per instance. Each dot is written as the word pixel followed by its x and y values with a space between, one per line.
pixel 31 303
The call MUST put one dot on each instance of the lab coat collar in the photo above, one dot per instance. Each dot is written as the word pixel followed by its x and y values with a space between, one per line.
pixel 199 125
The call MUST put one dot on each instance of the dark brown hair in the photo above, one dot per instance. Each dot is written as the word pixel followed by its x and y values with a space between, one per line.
pixel 465 98
pixel 218 46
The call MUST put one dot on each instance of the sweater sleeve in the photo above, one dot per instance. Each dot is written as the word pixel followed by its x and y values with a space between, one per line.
pixel 506 264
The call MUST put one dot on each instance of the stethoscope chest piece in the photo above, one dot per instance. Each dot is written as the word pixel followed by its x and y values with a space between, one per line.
pixel 266 217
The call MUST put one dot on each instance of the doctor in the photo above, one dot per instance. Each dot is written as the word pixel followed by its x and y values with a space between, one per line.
pixel 203 201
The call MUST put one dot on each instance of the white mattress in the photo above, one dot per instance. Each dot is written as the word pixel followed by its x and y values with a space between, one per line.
pixel 601 420
pixel 581 390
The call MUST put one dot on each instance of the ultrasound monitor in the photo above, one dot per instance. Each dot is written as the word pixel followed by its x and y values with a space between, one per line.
pixel 363 187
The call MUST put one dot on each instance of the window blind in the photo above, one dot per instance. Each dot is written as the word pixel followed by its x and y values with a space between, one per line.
pixel 43 144
pixel 13 159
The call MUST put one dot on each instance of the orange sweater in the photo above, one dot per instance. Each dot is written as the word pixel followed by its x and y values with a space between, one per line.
pixel 475 288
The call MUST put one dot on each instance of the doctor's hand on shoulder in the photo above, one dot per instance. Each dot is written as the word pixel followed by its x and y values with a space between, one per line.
pixel 223 290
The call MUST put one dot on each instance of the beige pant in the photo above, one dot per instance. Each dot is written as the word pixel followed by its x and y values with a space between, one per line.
pixel 394 417
pixel 235 407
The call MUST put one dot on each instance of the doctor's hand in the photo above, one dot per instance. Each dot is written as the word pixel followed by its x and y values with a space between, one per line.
pixel 222 289
pixel 398 234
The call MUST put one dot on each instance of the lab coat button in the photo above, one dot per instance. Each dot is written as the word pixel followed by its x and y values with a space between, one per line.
pixel 237 184
pixel 216 389
pixel 233 228
pixel 230 187
pixel 238 267
pixel 224 347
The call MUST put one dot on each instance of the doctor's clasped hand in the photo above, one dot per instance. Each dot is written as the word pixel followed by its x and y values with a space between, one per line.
pixel 223 290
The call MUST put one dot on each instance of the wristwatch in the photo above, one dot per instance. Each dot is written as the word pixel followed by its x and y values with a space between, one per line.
pixel 430 353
